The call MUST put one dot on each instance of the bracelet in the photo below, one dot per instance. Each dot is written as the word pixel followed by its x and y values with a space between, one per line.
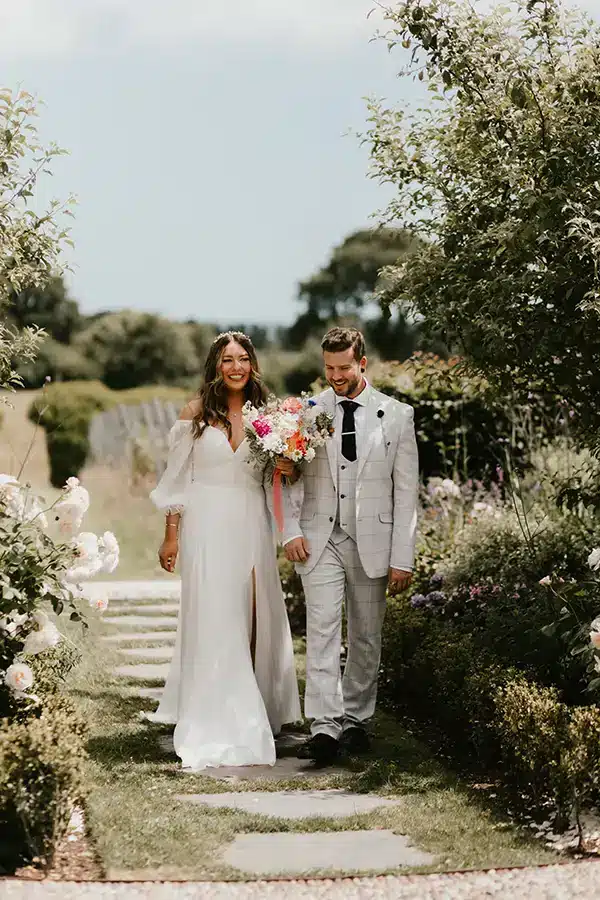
pixel 172 524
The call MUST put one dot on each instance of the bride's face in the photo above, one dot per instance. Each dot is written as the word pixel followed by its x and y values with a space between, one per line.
pixel 235 367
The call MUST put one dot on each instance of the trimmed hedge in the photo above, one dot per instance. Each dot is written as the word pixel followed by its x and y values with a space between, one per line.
pixel 66 410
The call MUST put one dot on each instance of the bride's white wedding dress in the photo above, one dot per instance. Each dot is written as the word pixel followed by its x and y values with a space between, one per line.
pixel 225 709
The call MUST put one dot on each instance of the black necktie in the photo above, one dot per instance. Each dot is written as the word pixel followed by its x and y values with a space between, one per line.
pixel 348 430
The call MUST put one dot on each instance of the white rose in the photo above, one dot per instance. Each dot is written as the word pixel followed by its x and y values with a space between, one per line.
pixel 595 639
pixel 88 561
pixel 45 635
pixel 594 559
pixel 72 507
pixel 19 678
pixel 109 549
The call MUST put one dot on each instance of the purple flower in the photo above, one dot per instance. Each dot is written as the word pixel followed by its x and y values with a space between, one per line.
pixel 435 598
pixel 418 600
pixel 436 580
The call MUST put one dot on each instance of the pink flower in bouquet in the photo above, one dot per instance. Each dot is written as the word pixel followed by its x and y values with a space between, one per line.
pixel 292 405
pixel 262 427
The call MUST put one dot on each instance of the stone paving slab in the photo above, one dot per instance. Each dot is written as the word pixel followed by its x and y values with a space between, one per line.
pixel 158 589
pixel 158 622
pixel 284 769
pixel 122 637
pixel 330 804
pixel 143 671
pixel 155 653
pixel 575 881
pixel 335 851
pixel 147 609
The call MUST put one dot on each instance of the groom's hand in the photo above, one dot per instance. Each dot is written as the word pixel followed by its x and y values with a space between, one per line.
pixel 399 580
pixel 297 550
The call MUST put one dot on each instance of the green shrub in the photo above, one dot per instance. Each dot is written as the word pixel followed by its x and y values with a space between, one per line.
pixel 65 412
pixel 41 777
pixel 550 751
pixel 461 426
pixel 60 362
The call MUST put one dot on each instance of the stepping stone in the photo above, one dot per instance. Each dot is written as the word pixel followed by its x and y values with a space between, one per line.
pixel 336 804
pixel 158 589
pixel 142 637
pixel 148 609
pixel 338 851
pixel 155 653
pixel 283 770
pixel 144 671
pixel 148 693
pixel 159 622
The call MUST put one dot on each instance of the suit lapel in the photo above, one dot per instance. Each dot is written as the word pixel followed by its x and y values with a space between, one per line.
pixel 332 444
pixel 371 425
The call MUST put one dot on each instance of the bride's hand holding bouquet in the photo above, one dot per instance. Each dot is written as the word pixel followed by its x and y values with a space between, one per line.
pixel 282 435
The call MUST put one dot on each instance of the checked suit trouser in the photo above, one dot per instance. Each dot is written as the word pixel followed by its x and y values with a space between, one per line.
pixel 334 703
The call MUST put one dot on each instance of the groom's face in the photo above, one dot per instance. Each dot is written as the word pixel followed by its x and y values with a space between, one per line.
pixel 343 372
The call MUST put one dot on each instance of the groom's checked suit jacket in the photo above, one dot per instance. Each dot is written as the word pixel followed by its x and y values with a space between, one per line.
pixel 387 479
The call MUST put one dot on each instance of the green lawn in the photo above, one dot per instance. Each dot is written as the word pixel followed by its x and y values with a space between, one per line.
pixel 142 831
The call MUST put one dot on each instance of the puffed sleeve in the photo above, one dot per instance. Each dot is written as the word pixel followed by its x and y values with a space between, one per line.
pixel 171 491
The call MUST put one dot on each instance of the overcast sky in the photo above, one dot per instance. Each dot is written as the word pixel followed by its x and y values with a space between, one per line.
pixel 208 142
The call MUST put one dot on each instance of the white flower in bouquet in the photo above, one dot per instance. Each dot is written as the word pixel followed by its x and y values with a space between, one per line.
pixel 19 678
pixel 44 635
pixel 594 559
pixel 88 561
pixel 72 506
pixel 310 454
pixel 109 551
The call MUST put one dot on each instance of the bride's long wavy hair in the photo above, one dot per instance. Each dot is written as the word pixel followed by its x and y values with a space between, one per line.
pixel 213 393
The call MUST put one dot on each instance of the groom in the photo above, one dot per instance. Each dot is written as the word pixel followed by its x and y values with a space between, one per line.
pixel 353 536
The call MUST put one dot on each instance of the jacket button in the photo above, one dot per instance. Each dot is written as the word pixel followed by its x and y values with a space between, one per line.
pixel 343 496
pixel 331 518
pixel 343 467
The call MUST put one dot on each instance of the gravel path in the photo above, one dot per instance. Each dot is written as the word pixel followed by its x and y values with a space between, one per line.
pixel 566 882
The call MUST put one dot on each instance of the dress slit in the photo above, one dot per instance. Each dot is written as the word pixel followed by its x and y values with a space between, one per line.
pixel 253 631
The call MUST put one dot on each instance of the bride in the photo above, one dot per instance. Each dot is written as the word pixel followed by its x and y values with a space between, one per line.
pixel 232 683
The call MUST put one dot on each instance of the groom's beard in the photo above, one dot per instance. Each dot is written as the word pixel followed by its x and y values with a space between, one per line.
pixel 348 388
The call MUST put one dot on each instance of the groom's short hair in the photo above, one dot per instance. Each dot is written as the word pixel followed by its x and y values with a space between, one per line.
pixel 341 338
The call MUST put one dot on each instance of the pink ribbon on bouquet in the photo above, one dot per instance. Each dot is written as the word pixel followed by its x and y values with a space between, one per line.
pixel 278 500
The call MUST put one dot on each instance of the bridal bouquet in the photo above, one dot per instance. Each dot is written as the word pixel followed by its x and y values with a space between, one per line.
pixel 289 429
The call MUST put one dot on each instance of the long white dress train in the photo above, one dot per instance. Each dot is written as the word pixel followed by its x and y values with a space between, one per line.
pixel 225 709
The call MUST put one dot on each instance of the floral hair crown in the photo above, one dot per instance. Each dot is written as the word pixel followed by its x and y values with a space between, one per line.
pixel 229 333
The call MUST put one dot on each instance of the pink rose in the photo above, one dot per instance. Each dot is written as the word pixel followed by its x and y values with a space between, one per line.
pixel 292 405
pixel 261 426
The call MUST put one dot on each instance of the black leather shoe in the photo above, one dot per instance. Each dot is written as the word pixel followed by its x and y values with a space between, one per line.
pixel 321 748
pixel 355 741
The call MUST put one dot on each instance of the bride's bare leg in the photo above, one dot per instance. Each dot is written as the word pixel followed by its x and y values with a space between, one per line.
pixel 253 633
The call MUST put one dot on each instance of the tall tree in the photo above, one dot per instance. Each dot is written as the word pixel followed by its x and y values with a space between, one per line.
pixel 500 177
pixel 346 286
pixel 30 242
pixel 49 307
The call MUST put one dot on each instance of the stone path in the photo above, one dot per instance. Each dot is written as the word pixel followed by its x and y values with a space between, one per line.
pixel 576 881
pixel 147 621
